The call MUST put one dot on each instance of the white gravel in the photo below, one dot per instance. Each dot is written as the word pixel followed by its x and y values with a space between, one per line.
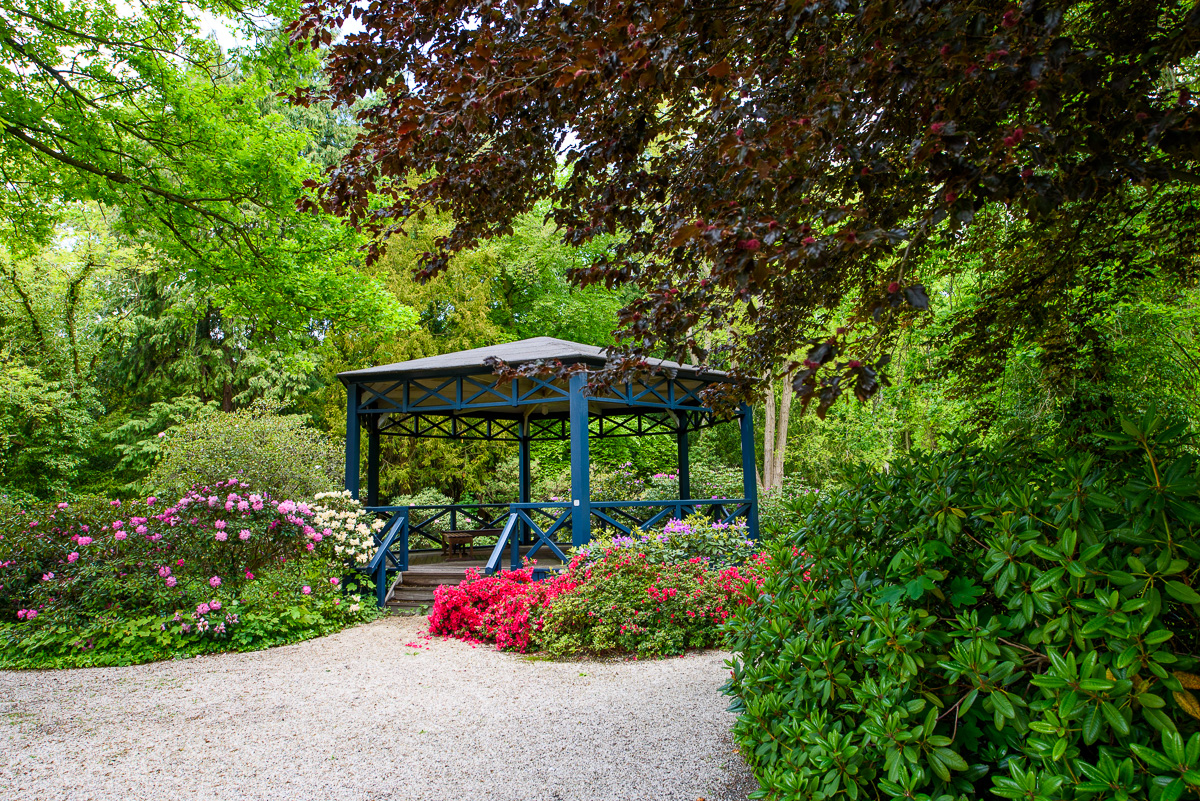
pixel 360 715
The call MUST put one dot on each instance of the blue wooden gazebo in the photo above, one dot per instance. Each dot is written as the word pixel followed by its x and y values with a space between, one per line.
pixel 458 396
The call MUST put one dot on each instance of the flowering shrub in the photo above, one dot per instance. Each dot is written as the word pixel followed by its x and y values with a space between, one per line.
pixel 82 578
pixel 613 599
pixel 339 517
pixel 719 544
pixel 504 608
pixel 619 483
pixel 623 601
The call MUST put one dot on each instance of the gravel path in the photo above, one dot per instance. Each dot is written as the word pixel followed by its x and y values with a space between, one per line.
pixel 361 715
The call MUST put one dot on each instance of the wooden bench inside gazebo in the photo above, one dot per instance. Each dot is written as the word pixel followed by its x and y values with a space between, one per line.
pixel 458 396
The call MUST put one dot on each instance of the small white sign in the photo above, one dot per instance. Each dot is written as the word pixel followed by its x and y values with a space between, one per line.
pixel 576 503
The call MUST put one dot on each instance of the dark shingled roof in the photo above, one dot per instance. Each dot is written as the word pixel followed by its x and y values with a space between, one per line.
pixel 526 350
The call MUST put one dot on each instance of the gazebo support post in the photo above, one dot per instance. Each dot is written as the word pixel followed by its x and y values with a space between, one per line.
pixel 352 433
pixel 524 480
pixel 373 460
pixel 581 490
pixel 685 470
pixel 749 475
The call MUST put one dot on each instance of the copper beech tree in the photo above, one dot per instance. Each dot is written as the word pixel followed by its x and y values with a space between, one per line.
pixel 764 163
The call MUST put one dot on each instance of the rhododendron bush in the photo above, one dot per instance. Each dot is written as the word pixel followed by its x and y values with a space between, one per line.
pixel 719 544
pixel 612 597
pixel 504 608
pixel 221 567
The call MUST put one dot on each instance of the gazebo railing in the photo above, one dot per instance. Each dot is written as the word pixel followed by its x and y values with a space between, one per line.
pixel 391 553
pixel 474 515
pixel 559 515
pixel 517 521
pixel 623 515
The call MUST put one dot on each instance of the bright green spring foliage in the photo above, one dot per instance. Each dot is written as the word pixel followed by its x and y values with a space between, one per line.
pixel 280 451
pixel 984 623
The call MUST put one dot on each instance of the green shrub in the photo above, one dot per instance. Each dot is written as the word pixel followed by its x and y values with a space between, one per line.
pixel 983 623
pixel 623 602
pixel 717 544
pixel 257 444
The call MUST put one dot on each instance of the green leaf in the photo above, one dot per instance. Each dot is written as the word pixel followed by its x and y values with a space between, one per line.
pixel 951 759
pixel 1115 719
pixel 1002 705
pixel 1182 592
pixel 1093 725
pixel 939 767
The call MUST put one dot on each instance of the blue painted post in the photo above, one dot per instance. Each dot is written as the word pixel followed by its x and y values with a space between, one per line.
pixel 373 462
pixel 352 433
pixel 524 482
pixel 685 470
pixel 381 585
pixel 581 490
pixel 749 475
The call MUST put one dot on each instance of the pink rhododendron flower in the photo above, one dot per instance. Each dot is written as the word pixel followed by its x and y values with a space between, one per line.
pixel 151 500
pixel 47 576
pixel 309 546
pixel 119 535
pixel 85 540
pixel 71 557
pixel 164 571
pixel 63 505
pixel 114 503
pixel 317 537
pixel 220 524
pixel 85 529
pixel 170 581
pixel 243 506
pixel 215 606
pixel 117 524
pixel 335 581
pixel 249 576
pixel 221 536
pixel 214 582
pixel 141 529
pixel 202 609
pixel 306 589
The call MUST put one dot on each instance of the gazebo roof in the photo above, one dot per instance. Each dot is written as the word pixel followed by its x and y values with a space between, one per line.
pixel 467 362
pixel 458 395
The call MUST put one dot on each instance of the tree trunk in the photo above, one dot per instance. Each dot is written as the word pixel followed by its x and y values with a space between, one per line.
pixel 781 430
pixel 768 474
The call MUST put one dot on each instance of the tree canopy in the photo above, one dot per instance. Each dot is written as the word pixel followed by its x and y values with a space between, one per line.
pixel 765 161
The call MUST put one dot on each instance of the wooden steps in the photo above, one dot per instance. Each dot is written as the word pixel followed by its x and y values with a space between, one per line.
pixel 414 589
